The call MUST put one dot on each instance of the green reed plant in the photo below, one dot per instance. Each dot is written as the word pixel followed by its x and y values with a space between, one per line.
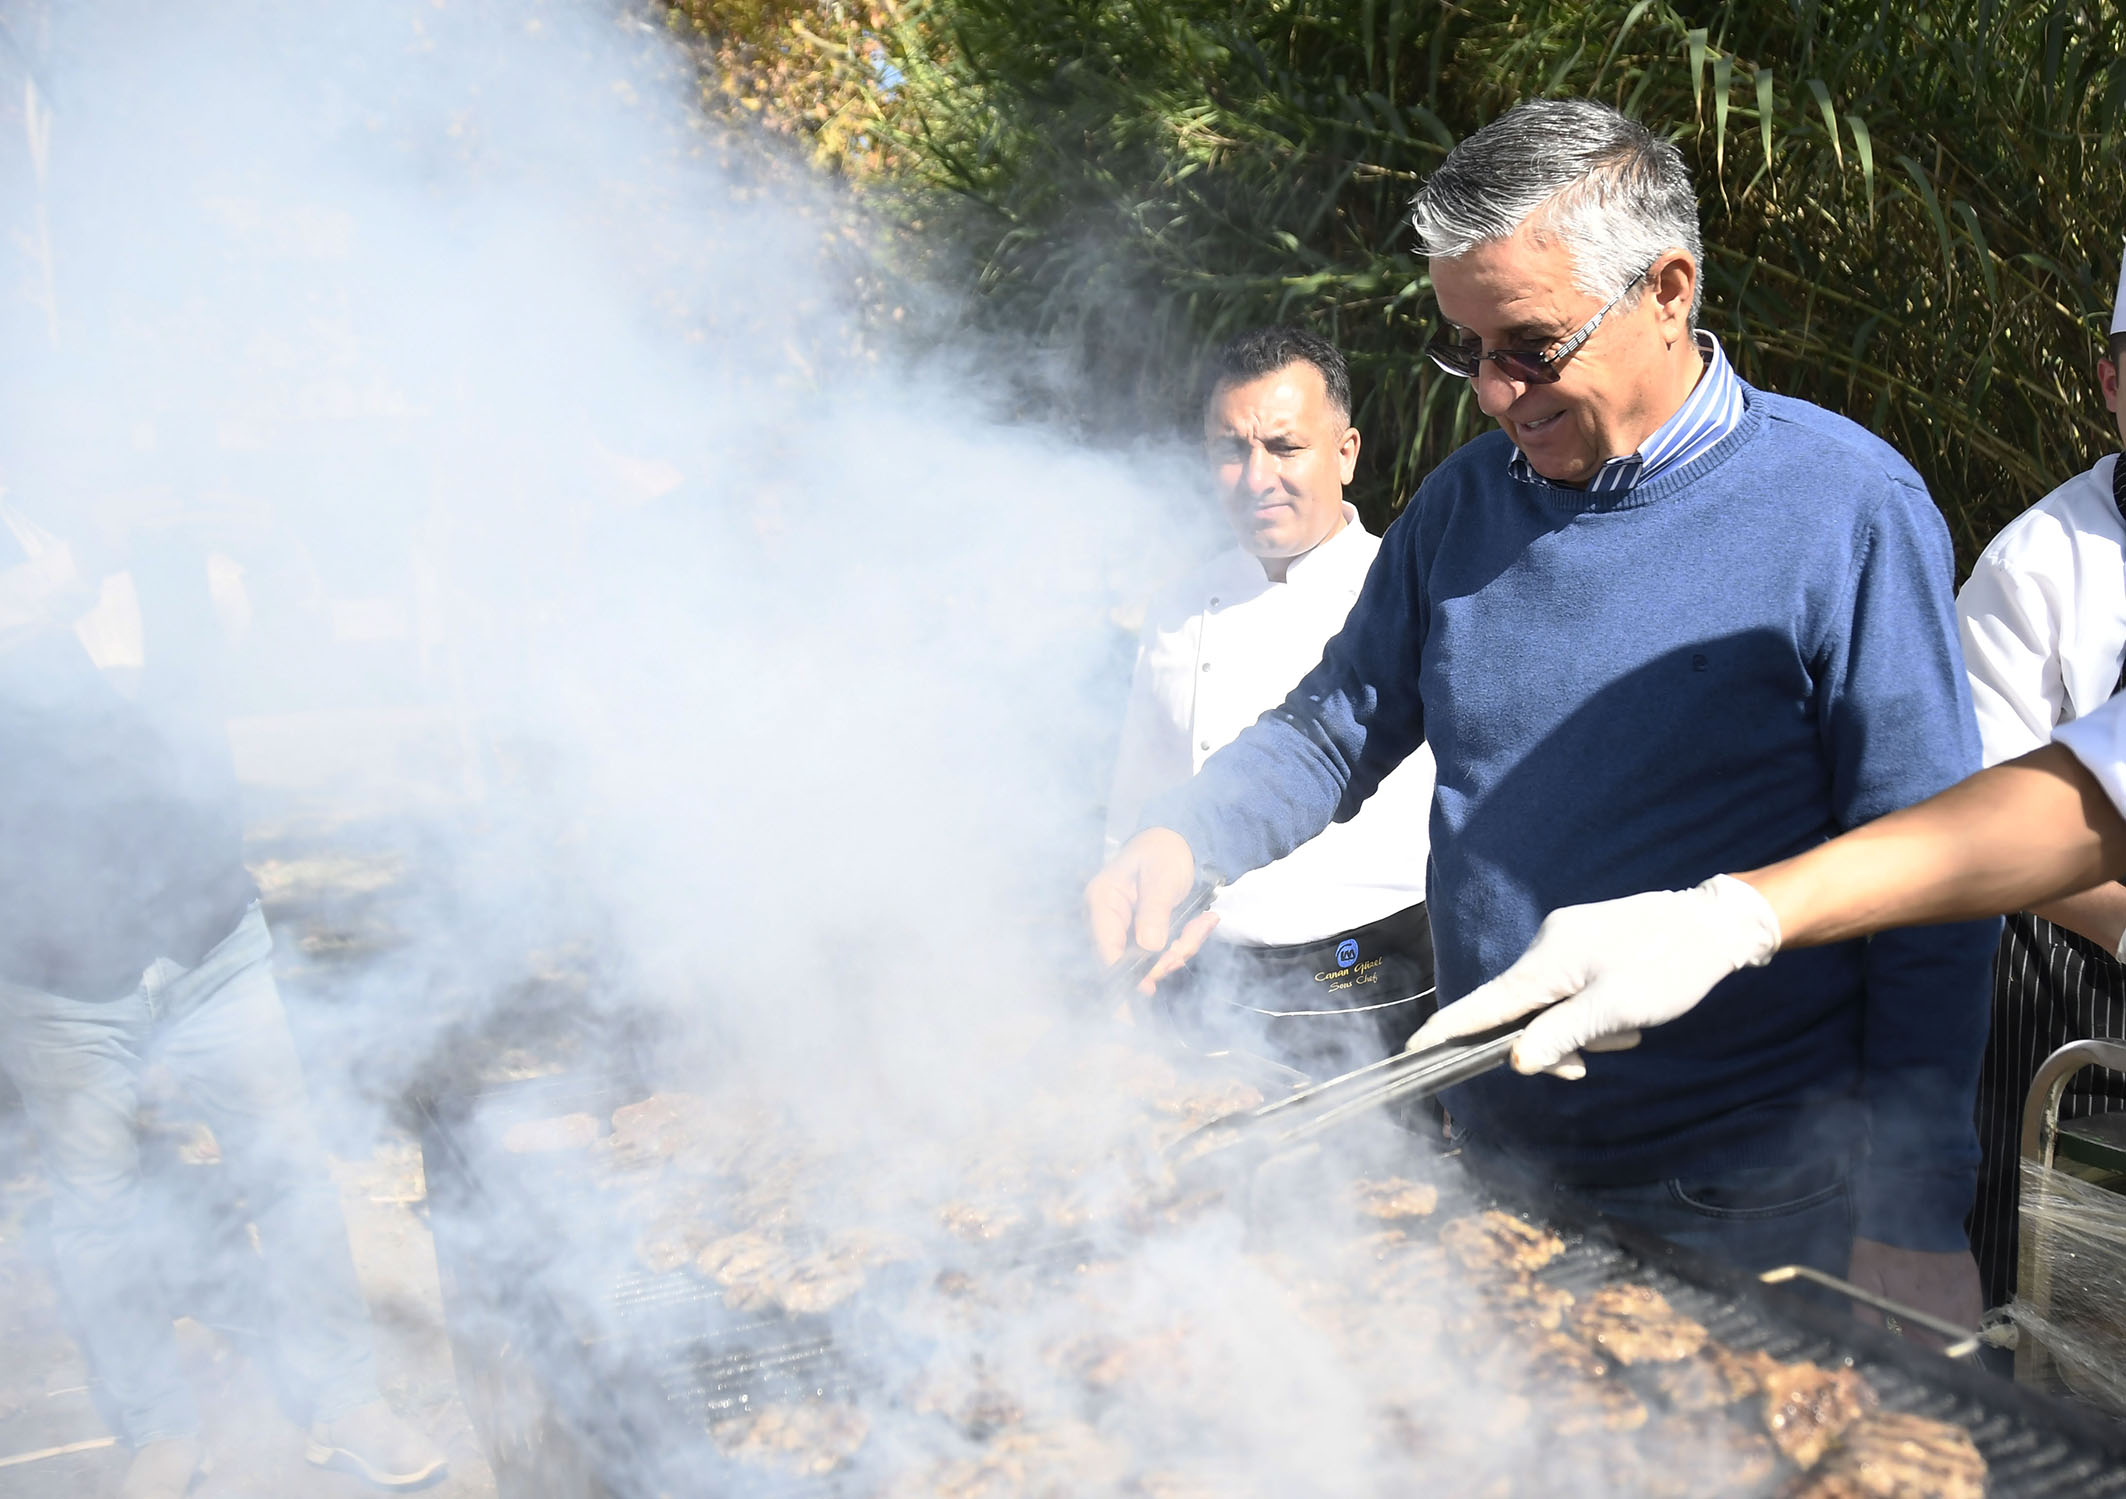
pixel 1913 210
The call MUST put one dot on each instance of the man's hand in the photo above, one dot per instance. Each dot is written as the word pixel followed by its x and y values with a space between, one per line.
pixel 1945 1285
pixel 1134 897
pixel 1618 966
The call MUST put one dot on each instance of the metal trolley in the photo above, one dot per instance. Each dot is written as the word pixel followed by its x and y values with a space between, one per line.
pixel 2097 1144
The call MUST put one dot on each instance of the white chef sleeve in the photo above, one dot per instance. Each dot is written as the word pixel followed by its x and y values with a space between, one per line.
pixel 2010 627
pixel 2098 740
pixel 1153 755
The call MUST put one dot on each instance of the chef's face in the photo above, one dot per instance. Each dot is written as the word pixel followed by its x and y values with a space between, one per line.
pixel 2107 374
pixel 1280 454
pixel 1614 390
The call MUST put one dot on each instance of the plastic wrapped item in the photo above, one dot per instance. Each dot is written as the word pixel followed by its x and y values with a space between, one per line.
pixel 2071 1298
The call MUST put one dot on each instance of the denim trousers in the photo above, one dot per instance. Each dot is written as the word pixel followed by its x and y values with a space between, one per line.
pixel 219 1030
pixel 1755 1218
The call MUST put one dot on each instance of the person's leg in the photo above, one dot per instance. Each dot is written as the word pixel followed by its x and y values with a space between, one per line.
pixel 1756 1219
pixel 77 1066
pixel 226 1040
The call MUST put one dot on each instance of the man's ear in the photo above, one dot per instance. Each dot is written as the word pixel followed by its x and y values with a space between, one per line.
pixel 1347 454
pixel 1675 286
pixel 2107 377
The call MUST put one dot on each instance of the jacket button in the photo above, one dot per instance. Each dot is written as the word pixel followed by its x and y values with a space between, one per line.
pixel 1206 666
pixel 1214 602
pixel 1206 744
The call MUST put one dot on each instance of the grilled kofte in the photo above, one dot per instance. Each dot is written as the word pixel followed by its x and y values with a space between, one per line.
pixel 1712 1378
pixel 1636 1325
pixel 1394 1197
pixel 1891 1455
pixel 807 1440
pixel 1493 1241
pixel 1807 1408
pixel 1616 1368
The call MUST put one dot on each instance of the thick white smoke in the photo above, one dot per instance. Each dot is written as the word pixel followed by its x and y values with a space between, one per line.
pixel 453 328
pixel 769 655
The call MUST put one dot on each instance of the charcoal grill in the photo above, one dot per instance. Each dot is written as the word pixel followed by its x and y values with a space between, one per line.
pixel 601 1387
pixel 613 1400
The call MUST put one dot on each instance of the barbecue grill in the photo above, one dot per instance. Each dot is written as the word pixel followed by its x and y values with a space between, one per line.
pixel 613 1400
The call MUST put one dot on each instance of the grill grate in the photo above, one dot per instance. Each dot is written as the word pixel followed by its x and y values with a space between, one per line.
pixel 670 1358
pixel 2035 1447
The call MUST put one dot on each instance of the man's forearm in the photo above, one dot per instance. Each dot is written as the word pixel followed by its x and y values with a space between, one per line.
pixel 2098 914
pixel 1254 801
pixel 2019 835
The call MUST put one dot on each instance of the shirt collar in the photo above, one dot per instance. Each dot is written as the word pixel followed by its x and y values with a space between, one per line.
pixel 1712 410
pixel 1322 558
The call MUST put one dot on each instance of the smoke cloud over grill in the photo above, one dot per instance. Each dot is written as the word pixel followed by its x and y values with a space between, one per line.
pixel 554 471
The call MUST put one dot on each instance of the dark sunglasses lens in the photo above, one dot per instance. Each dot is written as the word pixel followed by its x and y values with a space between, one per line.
pixel 1455 358
pixel 1529 369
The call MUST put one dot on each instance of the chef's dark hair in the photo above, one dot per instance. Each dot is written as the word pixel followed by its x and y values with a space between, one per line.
pixel 1265 351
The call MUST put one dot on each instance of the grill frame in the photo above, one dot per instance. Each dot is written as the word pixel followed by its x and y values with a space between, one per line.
pixel 2036 1446
pixel 569 1411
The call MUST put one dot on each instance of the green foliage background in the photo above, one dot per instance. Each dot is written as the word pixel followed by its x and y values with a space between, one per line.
pixel 1913 208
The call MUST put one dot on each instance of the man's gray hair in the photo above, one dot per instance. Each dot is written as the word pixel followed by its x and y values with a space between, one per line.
pixel 1616 195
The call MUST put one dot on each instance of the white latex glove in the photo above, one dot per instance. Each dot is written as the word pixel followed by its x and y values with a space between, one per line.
pixel 1613 968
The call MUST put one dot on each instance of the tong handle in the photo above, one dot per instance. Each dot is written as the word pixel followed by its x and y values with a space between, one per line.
pixel 1311 1111
pixel 1130 969
pixel 1421 1073
pixel 1963 1341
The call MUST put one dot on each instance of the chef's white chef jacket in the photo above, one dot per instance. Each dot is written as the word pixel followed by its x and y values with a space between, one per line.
pixel 1221 648
pixel 2043 616
pixel 2098 740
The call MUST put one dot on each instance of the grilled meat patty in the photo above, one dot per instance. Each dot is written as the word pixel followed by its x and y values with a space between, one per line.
pixel 980 1222
pixel 1636 1325
pixel 1599 1405
pixel 1493 1241
pixel 1394 1197
pixel 807 1440
pixel 1807 1408
pixel 1890 1455
pixel 1702 1454
pixel 1523 1301
pixel 1713 1377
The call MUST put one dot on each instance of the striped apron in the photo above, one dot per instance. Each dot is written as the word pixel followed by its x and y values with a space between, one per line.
pixel 2050 986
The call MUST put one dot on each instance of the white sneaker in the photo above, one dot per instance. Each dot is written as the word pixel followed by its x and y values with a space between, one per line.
pixel 372 1443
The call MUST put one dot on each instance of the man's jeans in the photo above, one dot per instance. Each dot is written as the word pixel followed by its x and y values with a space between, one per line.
pixel 219 1029
pixel 1756 1218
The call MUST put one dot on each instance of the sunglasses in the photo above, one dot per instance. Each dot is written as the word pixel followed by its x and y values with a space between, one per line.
pixel 1464 357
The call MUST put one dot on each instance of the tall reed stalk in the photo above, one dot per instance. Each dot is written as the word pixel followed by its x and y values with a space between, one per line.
pixel 1913 208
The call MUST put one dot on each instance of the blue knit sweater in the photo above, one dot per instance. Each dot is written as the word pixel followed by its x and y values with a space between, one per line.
pixel 1635 691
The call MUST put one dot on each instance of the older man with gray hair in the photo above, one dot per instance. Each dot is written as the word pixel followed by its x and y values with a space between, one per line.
pixel 1660 625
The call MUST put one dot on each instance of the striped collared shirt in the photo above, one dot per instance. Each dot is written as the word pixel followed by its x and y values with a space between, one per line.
pixel 1710 412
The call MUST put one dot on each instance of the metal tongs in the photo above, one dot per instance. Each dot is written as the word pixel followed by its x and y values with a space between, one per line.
pixel 1246 1139
pixel 1129 970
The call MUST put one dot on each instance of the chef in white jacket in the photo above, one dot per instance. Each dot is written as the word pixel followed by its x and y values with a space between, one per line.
pixel 1325 955
pixel 2043 619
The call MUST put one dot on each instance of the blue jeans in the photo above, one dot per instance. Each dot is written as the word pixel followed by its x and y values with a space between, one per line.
pixel 219 1030
pixel 1755 1218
